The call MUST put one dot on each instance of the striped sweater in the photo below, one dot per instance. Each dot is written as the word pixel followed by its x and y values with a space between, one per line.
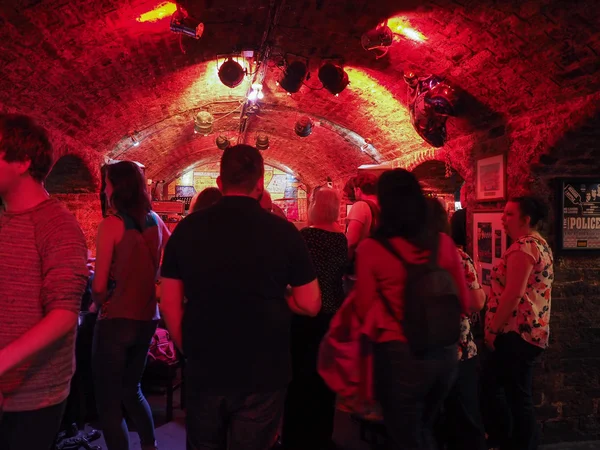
pixel 42 268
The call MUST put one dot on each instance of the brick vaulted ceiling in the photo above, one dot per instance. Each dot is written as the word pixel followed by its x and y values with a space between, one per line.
pixel 93 75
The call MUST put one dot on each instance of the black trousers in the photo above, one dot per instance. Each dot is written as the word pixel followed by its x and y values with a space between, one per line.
pixel 310 404
pixel 507 399
pixel 231 421
pixel 29 430
pixel 411 392
pixel 460 427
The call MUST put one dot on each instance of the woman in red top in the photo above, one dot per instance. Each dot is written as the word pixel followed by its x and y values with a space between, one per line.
pixel 409 390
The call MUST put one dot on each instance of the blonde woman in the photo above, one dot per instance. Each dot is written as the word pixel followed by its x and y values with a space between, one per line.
pixel 310 405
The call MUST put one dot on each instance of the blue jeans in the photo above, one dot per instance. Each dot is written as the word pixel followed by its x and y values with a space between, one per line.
pixel 120 350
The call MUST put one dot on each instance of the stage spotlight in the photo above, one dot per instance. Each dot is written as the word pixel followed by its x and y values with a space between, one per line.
pixel 293 77
pixel 222 142
pixel 203 123
pixel 304 126
pixel 182 23
pixel 333 77
pixel 231 73
pixel 262 141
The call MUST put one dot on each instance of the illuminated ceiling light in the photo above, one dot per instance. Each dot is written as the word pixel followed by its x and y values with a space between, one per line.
pixel 262 141
pixel 333 77
pixel 304 126
pixel 256 93
pixel 381 36
pixel 162 11
pixel 203 123
pixel 182 23
pixel 293 77
pixel 401 25
pixel 231 73
pixel 222 142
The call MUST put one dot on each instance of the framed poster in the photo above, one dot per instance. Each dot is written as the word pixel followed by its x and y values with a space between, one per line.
pixel 489 244
pixel 579 215
pixel 490 183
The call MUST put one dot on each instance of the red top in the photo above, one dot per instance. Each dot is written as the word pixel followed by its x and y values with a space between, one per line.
pixel 379 271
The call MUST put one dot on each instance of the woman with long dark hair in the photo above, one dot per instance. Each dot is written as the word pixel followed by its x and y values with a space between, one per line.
pixel 460 427
pixel 409 388
pixel 128 252
pixel 517 326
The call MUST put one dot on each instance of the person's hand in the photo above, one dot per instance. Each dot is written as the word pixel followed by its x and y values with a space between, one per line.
pixel 490 339
pixel 93 308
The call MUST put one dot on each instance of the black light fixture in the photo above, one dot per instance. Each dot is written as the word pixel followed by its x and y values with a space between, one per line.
pixel 304 126
pixel 262 141
pixel 378 37
pixel 293 77
pixel 182 23
pixel 333 77
pixel 231 73
pixel 222 142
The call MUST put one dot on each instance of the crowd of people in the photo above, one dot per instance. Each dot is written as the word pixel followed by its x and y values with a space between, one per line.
pixel 248 298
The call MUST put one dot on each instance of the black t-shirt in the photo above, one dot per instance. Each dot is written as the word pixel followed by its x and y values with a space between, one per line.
pixel 235 260
pixel 329 253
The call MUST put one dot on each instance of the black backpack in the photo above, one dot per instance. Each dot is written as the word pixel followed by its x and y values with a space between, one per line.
pixel 432 309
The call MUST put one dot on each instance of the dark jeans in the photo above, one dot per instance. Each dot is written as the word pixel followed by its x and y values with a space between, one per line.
pixel 231 421
pixel 411 392
pixel 119 359
pixel 459 426
pixel 310 404
pixel 30 430
pixel 508 405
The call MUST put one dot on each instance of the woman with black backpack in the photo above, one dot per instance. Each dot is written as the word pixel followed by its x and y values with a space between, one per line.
pixel 411 286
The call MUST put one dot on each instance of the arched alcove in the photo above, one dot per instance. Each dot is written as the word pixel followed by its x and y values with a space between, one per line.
pixel 70 175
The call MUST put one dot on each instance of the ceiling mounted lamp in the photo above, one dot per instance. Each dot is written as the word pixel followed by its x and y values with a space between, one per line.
pixel 333 77
pixel 293 77
pixel 262 141
pixel 203 123
pixel 231 73
pixel 222 142
pixel 182 23
pixel 379 38
pixel 304 126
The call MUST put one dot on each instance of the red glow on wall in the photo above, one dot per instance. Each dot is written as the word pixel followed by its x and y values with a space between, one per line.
pixel 162 11
pixel 402 26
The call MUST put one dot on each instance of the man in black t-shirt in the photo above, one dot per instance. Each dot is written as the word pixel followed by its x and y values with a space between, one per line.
pixel 233 262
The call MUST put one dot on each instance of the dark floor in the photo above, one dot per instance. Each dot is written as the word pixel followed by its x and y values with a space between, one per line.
pixel 171 436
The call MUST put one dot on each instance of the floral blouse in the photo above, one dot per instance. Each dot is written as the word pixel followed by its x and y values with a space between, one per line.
pixel 531 319
pixel 467 348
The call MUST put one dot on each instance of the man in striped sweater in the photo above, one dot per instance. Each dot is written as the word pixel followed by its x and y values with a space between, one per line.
pixel 42 278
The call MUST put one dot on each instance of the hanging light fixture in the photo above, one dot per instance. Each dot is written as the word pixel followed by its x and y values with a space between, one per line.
pixel 293 77
pixel 231 73
pixel 378 37
pixel 222 142
pixel 182 23
pixel 203 123
pixel 262 141
pixel 304 126
pixel 333 77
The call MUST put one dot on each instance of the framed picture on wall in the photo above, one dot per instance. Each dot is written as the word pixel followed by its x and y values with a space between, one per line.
pixel 578 215
pixel 489 244
pixel 490 183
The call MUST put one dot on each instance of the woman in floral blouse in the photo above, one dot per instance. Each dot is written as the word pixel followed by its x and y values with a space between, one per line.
pixel 461 428
pixel 517 325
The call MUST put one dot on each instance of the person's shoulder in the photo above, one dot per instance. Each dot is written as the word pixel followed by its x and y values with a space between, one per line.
pixel 53 213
